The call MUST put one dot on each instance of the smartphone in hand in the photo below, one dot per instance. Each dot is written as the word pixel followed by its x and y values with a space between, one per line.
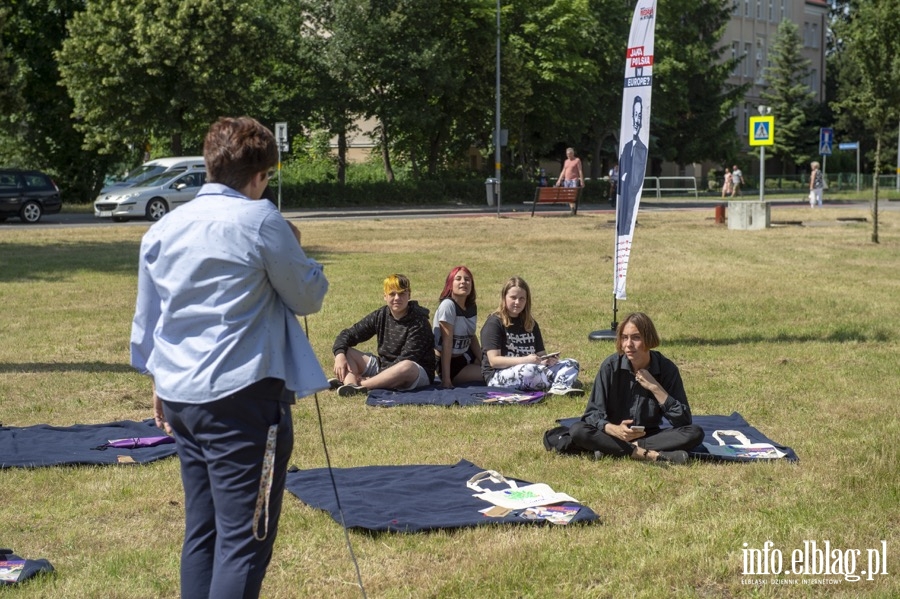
pixel 553 355
pixel 637 429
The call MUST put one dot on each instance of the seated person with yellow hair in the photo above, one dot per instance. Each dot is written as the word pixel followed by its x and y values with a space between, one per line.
pixel 405 357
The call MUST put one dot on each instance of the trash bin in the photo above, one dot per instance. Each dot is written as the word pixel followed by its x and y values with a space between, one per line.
pixel 490 188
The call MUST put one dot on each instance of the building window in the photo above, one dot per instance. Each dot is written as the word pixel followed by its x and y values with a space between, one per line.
pixel 814 35
pixel 806 34
pixel 734 55
pixel 783 10
pixel 771 10
pixel 814 80
pixel 759 4
pixel 748 59
pixel 746 8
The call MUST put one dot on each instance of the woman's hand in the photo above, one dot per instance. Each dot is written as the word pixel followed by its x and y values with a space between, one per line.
pixel 623 431
pixel 158 416
pixel 645 379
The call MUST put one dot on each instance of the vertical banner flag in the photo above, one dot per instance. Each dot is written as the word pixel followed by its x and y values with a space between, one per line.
pixel 634 133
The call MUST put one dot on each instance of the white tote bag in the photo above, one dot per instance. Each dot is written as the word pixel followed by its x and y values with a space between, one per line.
pixel 743 448
pixel 515 497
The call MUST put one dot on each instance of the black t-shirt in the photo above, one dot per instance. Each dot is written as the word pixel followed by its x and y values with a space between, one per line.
pixel 511 341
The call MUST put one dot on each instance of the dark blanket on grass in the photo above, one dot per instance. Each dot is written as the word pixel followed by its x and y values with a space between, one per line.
pixel 45 445
pixel 464 395
pixel 711 424
pixel 406 498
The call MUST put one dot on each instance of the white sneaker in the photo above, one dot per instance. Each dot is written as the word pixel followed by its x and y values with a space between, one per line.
pixel 566 391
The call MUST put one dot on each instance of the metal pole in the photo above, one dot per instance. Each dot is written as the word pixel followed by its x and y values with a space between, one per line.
pixel 279 176
pixel 857 167
pixel 762 172
pixel 897 174
pixel 497 164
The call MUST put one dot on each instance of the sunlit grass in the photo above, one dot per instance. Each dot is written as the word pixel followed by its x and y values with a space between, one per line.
pixel 794 327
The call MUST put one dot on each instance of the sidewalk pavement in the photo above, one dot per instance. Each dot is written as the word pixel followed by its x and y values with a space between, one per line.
pixel 520 208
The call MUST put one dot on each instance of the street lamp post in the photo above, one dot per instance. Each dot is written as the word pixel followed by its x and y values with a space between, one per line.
pixel 497 164
pixel 763 111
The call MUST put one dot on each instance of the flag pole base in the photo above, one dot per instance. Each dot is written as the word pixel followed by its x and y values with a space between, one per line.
pixel 604 335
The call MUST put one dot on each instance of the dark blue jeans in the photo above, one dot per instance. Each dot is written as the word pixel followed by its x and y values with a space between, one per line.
pixel 221 446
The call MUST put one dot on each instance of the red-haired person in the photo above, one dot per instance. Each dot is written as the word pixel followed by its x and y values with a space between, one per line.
pixel 454 323
pixel 635 389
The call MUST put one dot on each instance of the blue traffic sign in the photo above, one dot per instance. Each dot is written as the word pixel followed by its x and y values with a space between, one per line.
pixel 848 145
pixel 826 139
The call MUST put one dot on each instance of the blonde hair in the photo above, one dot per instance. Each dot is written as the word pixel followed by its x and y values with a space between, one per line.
pixel 815 165
pixel 396 282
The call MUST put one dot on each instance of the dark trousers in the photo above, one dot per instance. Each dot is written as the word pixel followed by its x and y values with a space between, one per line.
pixel 221 446
pixel 589 437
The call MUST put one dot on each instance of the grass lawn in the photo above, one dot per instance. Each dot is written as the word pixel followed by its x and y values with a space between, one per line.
pixel 794 327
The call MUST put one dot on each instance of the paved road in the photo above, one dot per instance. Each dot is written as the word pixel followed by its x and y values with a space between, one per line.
pixel 88 220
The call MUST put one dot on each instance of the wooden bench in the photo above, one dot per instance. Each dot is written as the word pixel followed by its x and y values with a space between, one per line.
pixel 557 195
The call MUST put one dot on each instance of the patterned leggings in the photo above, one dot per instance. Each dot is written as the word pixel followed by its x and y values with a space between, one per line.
pixel 537 377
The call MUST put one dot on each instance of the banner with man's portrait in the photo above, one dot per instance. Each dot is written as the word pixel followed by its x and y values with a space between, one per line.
pixel 634 134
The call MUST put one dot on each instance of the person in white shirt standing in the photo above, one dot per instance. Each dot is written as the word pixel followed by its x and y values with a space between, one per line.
pixel 737 180
pixel 816 185
pixel 221 282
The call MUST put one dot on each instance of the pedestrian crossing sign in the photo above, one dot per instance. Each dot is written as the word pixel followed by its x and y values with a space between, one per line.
pixel 762 130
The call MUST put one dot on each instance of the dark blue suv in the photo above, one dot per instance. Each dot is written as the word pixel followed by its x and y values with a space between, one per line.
pixel 28 195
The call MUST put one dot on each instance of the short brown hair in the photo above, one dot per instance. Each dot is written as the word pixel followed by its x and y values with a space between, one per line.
pixel 236 149
pixel 644 326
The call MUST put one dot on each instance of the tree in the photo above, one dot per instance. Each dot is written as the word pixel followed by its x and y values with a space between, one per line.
pixel 790 96
pixel 409 66
pixel 692 103
pixel 873 47
pixel 36 128
pixel 555 54
pixel 143 69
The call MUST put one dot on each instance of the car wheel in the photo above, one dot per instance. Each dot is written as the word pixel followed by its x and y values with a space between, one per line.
pixel 156 209
pixel 31 212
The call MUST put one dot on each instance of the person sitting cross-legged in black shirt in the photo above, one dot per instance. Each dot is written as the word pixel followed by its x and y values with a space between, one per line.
pixel 405 357
pixel 634 389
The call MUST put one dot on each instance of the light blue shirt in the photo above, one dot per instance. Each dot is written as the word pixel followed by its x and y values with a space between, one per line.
pixel 221 281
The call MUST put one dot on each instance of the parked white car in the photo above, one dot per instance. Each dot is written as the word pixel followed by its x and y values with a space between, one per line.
pixel 172 165
pixel 153 199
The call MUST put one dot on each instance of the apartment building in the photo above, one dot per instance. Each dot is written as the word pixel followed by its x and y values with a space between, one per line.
pixel 750 34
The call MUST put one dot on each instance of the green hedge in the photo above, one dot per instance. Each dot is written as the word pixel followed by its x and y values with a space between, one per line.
pixel 409 193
